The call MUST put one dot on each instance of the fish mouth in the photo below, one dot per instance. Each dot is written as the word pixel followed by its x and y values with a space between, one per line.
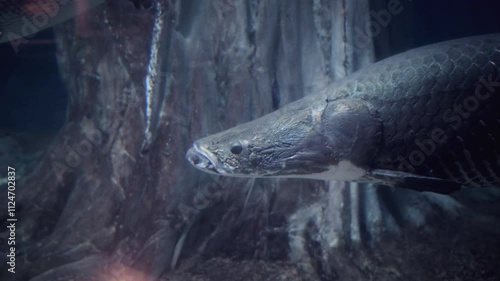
pixel 203 160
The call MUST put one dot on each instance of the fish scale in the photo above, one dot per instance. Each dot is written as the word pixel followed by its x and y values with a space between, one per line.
pixel 431 93
pixel 405 105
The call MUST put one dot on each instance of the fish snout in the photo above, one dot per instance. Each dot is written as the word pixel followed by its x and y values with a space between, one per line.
pixel 199 160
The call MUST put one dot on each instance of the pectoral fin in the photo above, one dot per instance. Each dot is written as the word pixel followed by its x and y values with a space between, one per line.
pixel 412 181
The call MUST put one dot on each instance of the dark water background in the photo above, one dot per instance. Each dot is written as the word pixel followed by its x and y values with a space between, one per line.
pixel 32 95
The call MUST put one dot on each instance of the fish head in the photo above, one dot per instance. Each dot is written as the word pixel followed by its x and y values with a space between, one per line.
pixel 260 148
pixel 304 139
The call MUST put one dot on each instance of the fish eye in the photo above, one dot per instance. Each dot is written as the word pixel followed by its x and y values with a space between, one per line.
pixel 236 147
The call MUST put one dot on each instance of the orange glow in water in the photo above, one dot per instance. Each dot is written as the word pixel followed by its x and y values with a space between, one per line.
pixel 120 272
pixel 36 7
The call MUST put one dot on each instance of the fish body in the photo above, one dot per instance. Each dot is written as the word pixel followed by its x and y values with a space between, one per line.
pixel 427 119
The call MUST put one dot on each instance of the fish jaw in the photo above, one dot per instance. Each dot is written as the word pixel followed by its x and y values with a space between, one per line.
pixel 204 160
